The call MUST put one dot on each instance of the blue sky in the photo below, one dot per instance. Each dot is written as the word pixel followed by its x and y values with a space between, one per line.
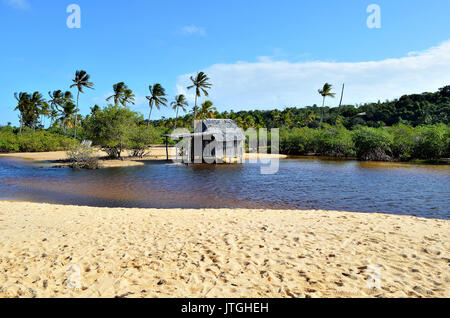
pixel 259 53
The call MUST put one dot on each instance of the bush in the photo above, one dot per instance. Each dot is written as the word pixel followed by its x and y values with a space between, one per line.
pixel 447 142
pixel 330 141
pixel 402 142
pixel 291 142
pixel 141 139
pixel 399 142
pixel 8 142
pixel 335 141
pixel 429 142
pixel 373 144
pixel 82 156
pixel 113 128
pixel 30 141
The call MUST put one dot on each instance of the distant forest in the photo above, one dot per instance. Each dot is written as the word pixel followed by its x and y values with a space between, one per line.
pixel 412 110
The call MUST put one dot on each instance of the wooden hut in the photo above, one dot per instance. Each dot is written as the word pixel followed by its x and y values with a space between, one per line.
pixel 213 141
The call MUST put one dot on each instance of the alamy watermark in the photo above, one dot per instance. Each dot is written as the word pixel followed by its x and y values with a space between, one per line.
pixel 374 19
pixel 74 19
pixel 374 276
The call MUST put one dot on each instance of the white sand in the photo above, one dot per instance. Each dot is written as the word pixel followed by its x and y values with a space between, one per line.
pixel 218 253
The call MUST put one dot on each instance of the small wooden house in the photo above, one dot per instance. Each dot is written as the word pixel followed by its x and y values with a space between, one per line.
pixel 213 141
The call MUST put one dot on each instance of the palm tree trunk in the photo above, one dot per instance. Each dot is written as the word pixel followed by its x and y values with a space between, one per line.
pixel 76 114
pixel 176 119
pixel 321 113
pixel 149 115
pixel 195 110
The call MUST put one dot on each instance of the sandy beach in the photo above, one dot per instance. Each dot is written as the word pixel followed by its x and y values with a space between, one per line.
pixel 73 251
pixel 155 153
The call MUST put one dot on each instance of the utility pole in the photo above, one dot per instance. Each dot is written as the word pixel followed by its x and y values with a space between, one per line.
pixel 340 104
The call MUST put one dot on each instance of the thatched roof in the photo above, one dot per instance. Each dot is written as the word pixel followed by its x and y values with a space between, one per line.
pixel 221 129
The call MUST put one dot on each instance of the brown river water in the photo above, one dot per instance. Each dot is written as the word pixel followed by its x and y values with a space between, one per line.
pixel 300 183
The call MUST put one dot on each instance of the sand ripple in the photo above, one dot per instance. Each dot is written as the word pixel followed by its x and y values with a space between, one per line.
pixel 67 251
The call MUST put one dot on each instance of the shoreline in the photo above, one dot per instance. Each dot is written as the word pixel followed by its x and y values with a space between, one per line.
pixel 56 158
pixel 218 253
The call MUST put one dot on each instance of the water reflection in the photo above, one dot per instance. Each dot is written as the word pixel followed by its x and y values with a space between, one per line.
pixel 301 183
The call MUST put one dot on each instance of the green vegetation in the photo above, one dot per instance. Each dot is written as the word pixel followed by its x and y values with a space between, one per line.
pixel 397 143
pixel 83 156
pixel 180 102
pixel 324 92
pixel 116 128
pixel 157 98
pixel 411 110
pixel 409 128
pixel 32 141
pixel 201 84
pixel 80 81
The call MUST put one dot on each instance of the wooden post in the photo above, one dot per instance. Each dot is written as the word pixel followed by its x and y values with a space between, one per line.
pixel 167 148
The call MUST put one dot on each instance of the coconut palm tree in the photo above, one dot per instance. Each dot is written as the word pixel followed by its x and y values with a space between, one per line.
pixel 201 84
pixel 81 81
pixel 67 114
pixel 23 103
pixel 56 99
pixel 180 102
pixel 53 115
pixel 122 94
pixel 128 97
pixel 118 89
pixel 156 98
pixel 44 111
pixel 325 91
pixel 39 106
pixel 207 110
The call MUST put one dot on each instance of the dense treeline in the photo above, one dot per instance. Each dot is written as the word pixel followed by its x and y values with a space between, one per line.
pixel 412 110
pixel 396 143
pixel 411 127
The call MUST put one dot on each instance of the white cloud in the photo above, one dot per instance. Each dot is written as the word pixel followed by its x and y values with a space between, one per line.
pixel 267 83
pixel 18 4
pixel 193 30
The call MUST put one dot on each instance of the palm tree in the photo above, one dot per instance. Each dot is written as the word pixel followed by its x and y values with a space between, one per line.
pixel 201 84
pixel 128 97
pixel 118 92
pixel 81 80
pixel 56 99
pixel 325 91
pixel 67 114
pixel 38 105
pixel 207 110
pixel 122 94
pixel 23 102
pixel 44 111
pixel 179 103
pixel 53 115
pixel 156 98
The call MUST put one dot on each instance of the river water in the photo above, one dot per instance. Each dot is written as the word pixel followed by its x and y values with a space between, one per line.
pixel 301 183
